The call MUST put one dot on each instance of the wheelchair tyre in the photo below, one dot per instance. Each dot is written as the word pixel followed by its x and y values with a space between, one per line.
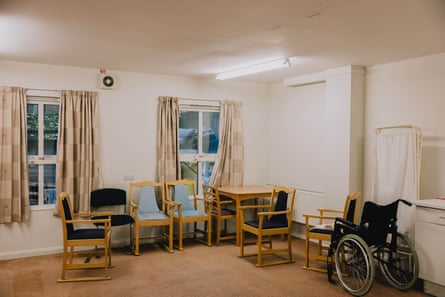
pixel 400 268
pixel 354 264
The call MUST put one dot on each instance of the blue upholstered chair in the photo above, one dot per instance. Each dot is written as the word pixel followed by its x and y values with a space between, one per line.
pixel 319 229
pixel 76 239
pixel 272 219
pixel 189 209
pixel 146 212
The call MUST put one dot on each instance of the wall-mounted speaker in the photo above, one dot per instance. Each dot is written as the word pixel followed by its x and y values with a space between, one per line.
pixel 107 81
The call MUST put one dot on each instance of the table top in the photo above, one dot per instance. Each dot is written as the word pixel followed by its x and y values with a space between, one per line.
pixel 245 190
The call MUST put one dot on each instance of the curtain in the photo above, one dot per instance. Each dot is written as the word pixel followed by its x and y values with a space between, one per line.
pixel 167 142
pixel 14 192
pixel 397 153
pixel 77 147
pixel 229 165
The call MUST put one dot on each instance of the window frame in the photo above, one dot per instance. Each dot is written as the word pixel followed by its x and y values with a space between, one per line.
pixel 40 159
pixel 199 157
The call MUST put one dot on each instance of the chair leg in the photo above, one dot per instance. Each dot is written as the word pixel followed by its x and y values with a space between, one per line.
pixel 170 237
pixel 64 259
pixel 260 250
pixel 209 232
pixel 242 243
pixel 136 242
pixel 289 246
pixel 218 231
pixel 306 258
pixel 180 236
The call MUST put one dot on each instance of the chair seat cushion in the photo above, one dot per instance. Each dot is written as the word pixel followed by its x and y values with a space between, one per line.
pixel 224 212
pixel 86 234
pixel 322 229
pixel 191 213
pixel 267 224
pixel 155 215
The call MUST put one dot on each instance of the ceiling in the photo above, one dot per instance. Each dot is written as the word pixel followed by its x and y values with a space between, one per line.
pixel 199 38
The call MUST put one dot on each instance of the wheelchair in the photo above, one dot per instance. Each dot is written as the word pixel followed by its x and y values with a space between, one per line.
pixel 355 249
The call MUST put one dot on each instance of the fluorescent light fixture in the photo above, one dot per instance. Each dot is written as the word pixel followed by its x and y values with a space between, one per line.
pixel 261 67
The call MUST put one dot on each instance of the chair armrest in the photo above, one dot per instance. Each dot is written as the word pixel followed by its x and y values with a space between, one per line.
pixel 308 217
pixel 227 202
pixel 271 213
pixel 92 214
pixel 324 210
pixel 253 206
pixel 90 221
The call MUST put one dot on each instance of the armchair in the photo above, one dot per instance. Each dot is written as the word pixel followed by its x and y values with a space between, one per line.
pixel 74 238
pixel 146 212
pixel 275 220
pixel 319 228
pixel 187 209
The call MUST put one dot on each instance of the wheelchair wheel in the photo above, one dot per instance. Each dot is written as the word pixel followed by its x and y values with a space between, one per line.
pixel 401 267
pixel 355 265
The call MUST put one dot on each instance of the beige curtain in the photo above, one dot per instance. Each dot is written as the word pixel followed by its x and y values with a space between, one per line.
pixel 229 165
pixel 14 192
pixel 167 142
pixel 78 146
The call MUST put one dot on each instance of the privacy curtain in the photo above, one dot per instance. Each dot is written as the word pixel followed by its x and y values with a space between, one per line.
pixel 229 165
pixel 14 193
pixel 78 146
pixel 167 142
pixel 397 153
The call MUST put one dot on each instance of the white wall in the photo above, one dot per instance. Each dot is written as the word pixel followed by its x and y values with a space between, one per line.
pixel 128 133
pixel 297 122
pixel 410 92
pixel 405 92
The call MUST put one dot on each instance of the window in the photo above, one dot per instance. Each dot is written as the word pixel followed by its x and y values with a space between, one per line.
pixel 198 142
pixel 42 133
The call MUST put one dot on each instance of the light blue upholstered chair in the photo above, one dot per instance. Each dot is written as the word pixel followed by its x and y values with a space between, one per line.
pixel 146 212
pixel 189 209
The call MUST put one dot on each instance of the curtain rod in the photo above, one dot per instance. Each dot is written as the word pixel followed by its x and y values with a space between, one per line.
pixel 378 130
pixel 36 89
pixel 204 100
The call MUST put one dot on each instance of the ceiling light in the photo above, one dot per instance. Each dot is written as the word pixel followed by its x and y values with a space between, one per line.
pixel 251 69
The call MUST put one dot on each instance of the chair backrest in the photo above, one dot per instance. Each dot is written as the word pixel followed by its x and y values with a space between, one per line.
pixel 64 202
pixel 211 193
pixel 352 205
pixel 108 197
pixel 282 198
pixel 179 191
pixel 149 192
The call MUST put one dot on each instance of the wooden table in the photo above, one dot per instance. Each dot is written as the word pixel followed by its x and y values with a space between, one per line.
pixel 241 193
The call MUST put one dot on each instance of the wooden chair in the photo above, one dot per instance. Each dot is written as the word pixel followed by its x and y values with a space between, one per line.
pixel 275 220
pixel 319 228
pixel 188 211
pixel 146 212
pixel 220 212
pixel 74 238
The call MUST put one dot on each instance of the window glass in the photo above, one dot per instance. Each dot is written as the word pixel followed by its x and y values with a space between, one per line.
pixel 33 128
pixel 210 133
pixel 51 128
pixel 33 174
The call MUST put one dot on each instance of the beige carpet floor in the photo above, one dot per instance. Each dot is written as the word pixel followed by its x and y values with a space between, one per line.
pixel 197 271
